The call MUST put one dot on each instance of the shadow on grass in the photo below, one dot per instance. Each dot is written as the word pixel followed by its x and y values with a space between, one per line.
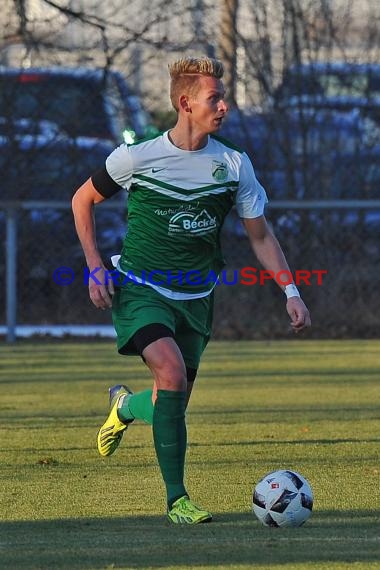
pixel 150 541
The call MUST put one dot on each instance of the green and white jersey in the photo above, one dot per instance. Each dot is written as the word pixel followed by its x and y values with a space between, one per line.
pixel 178 200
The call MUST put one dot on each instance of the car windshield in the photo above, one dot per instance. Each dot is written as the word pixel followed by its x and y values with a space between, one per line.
pixel 76 105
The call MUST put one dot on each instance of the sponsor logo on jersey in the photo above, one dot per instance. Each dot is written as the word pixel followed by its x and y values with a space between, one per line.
pixel 172 211
pixel 219 171
pixel 189 222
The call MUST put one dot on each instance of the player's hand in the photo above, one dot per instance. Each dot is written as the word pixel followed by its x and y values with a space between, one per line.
pixel 101 289
pixel 299 314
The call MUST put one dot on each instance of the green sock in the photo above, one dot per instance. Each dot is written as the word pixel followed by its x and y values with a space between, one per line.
pixel 138 406
pixel 170 439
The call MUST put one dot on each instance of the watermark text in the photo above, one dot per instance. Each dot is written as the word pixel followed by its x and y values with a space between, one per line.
pixel 247 276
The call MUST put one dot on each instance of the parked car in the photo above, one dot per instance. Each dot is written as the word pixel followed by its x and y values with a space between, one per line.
pixel 314 154
pixel 310 154
pixel 57 126
pixel 48 168
pixel 337 86
pixel 96 103
pixel 319 136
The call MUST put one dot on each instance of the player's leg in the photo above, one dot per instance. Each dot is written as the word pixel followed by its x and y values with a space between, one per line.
pixel 174 383
pixel 169 427
pixel 166 406
pixel 165 361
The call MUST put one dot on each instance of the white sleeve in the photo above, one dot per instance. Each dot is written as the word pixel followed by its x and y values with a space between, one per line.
pixel 119 166
pixel 251 196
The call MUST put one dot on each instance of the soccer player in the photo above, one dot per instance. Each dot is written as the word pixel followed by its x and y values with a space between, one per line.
pixel 181 185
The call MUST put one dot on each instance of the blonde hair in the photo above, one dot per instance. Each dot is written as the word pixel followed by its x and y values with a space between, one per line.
pixel 185 72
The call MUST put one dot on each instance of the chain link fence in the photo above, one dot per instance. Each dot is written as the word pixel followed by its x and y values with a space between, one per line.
pixel 322 176
pixel 333 251
pixel 335 260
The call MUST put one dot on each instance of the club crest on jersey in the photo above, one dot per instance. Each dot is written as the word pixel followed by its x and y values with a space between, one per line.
pixel 219 171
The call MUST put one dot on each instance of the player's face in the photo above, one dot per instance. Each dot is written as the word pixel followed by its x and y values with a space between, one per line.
pixel 208 107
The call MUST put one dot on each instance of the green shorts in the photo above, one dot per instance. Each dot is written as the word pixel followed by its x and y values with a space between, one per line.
pixel 135 306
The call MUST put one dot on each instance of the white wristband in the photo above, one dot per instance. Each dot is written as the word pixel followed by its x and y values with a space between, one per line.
pixel 291 291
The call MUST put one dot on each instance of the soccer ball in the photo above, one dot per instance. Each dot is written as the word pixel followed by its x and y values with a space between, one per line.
pixel 282 498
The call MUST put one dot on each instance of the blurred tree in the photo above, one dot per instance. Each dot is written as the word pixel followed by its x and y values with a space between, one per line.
pixel 228 46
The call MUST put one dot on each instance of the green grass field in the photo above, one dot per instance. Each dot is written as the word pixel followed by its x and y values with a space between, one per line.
pixel 311 406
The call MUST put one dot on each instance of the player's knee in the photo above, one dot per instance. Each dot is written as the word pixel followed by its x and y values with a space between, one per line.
pixel 166 363
pixel 171 376
pixel 169 373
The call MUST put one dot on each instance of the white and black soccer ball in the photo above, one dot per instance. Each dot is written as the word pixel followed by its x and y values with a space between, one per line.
pixel 282 498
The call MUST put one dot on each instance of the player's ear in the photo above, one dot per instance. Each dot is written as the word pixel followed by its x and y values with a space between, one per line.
pixel 184 103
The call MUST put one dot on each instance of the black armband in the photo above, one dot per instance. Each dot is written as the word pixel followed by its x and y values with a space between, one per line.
pixel 104 184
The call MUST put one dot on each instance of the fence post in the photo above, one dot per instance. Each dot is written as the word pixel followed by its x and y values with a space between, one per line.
pixel 11 272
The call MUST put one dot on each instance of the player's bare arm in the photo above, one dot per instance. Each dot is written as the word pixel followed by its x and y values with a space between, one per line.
pixel 269 253
pixel 84 200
